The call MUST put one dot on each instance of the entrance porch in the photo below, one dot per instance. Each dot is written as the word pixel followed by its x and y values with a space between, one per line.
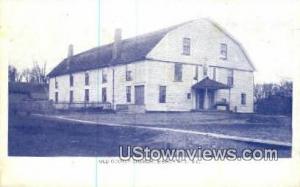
pixel 205 95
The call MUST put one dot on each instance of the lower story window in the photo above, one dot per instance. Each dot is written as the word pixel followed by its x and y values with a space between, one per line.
pixel 128 94
pixel 162 94
pixel 243 98
pixel 86 95
pixel 56 97
pixel 71 96
pixel 188 96
pixel 104 96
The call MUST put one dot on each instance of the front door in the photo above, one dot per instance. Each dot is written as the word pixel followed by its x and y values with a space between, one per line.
pixel 201 98
pixel 139 95
pixel 211 99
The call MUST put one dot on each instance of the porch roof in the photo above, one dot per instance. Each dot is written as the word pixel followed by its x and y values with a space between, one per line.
pixel 207 83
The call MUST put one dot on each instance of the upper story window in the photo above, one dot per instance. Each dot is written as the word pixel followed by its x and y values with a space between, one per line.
pixel 104 77
pixel 223 51
pixel 162 94
pixel 128 75
pixel 214 73
pixel 71 80
pixel 243 99
pixel 56 83
pixel 186 46
pixel 86 79
pixel 178 72
pixel 230 78
pixel 205 70
pixel 196 73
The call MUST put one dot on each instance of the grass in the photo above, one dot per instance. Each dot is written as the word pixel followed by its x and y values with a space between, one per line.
pixel 37 136
pixel 177 118
pixel 278 128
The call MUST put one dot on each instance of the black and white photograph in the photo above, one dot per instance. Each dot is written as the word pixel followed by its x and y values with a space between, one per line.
pixel 150 81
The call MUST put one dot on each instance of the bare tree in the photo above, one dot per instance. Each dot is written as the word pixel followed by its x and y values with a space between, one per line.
pixel 37 74
pixel 26 75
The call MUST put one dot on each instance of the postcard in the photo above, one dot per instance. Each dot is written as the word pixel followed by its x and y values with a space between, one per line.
pixel 149 93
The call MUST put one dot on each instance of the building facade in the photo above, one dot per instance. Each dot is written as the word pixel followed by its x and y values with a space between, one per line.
pixel 192 66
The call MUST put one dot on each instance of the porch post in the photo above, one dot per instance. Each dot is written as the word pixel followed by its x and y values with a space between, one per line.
pixel 194 96
pixel 205 105
pixel 229 102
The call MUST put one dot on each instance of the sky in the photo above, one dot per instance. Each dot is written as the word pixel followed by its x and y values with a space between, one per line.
pixel 41 31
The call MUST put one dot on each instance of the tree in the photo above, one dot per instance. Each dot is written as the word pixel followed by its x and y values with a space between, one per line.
pixel 13 74
pixel 38 73
pixel 273 98
pixel 26 75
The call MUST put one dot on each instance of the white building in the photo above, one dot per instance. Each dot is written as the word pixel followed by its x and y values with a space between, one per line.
pixel 192 66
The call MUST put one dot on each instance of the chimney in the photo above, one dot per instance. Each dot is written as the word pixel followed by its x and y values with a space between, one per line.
pixel 70 51
pixel 70 54
pixel 116 51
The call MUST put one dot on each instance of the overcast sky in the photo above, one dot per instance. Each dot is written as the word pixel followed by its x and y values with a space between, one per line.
pixel 41 30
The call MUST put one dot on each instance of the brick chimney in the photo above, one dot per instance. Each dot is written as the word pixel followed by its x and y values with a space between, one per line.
pixel 70 51
pixel 70 54
pixel 116 51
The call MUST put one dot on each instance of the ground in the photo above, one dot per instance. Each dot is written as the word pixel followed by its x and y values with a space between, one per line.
pixel 277 128
pixel 54 137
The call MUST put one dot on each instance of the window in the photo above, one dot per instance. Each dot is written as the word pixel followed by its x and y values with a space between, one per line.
pixel 186 47
pixel 71 96
pixel 196 73
pixel 71 80
pixel 178 72
pixel 230 78
pixel 104 77
pixel 86 95
pixel 243 98
pixel 162 94
pixel 223 51
pixel 86 78
pixel 188 96
pixel 104 96
pixel 56 97
pixel 56 83
pixel 128 94
pixel 204 70
pixel 128 75
pixel 214 74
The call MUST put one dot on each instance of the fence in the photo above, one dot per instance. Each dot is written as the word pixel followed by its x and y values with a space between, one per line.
pixel 83 106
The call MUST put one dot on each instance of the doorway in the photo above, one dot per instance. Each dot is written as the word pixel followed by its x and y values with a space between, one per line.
pixel 201 99
pixel 139 94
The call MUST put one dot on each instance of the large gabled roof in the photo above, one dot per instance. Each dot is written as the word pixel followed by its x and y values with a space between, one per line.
pixel 132 49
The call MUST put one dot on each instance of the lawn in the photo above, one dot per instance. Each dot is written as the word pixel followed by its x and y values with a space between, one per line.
pixel 39 136
pixel 277 128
